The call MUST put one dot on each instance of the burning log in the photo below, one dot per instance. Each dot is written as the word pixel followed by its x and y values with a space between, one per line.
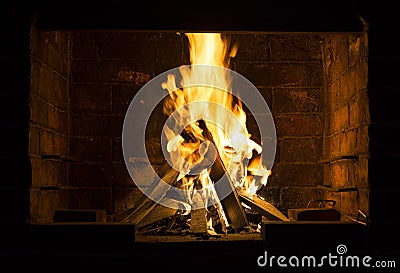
pixel 231 204
pixel 198 222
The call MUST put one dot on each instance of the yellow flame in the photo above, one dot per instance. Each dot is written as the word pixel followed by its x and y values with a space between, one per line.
pixel 229 131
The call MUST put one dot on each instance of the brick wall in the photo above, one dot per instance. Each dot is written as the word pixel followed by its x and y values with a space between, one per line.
pixel 287 70
pixel 346 140
pixel 108 68
pixel 49 122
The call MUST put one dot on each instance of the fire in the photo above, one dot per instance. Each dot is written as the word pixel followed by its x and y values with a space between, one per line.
pixel 223 114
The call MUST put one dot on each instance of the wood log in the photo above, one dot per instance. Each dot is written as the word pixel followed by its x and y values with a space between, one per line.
pixel 231 204
pixel 198 221
pixel 157 191
pixel 263 207
pixel 158 213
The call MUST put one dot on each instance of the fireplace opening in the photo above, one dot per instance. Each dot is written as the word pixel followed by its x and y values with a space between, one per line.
pixel 83 81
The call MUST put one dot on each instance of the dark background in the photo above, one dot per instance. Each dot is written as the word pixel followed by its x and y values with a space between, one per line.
pixel 384 88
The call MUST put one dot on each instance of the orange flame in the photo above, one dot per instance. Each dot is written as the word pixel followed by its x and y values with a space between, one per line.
pixel 229 131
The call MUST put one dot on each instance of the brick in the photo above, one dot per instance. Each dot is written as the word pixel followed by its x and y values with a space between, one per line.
pixel 252 47
pixel 47 173
pixel 90 174
pixel 361 173
pixel 57 120
pixel 336 54
pixel 57 61
pixel 347 142
pixel 126 45
pixel 122 96
pixel 364 107
pixel 168 51
pixel 53 144
pixel 91 149
pixel 154 151
pixel 84 45
pixel 298 125
pixel 334 96
pixel 39 112
pixel 301 150
pixel 94 98
pixel 267 95
pixel 340 119
pixel 363 140
pixel 286 174
pixel 314 75
pixel 43 203
pixel 337 174
pixel 120 175
pixel 91 125
pixel 60 96
pixel 357 49
pixel 156 122
pixel 275 75
pixel 111 71
pixel 349 203
pixel 296 47
pixel 46 83
pixel 297 100
pixel 350 85
pixel 298 197
pixel 117 154
pixel 126 198
pixel 355 114
pixel 100 198
pixel 60 52
pixel 335 146
pixel 34 141
pixel 361 74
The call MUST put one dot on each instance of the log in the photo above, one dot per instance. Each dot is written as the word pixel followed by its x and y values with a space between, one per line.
pixel 231 204
pixel 198 221
pixel 158 213
pixel 263 207
pixel 157 191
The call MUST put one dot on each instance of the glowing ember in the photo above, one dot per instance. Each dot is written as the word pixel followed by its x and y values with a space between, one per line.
pixel 188 149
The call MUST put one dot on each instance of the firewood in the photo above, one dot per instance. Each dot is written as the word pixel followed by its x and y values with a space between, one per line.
pixel 263 207
pixel 198 221
pixel 158 213
pixel 231 204
pixel 157 191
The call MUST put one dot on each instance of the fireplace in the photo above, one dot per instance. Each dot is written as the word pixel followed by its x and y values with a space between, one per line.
pixel 66 182
pixel 83 81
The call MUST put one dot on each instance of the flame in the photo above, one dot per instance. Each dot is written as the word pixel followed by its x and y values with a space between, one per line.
pixel 194 102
